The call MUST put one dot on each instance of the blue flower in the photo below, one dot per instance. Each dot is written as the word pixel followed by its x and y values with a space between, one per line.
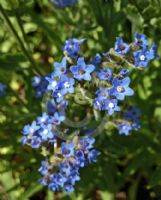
pixel 124 128
pixel 63 3
pixel 124 72
pixel 61 87
pixel 98 103
pixel 142 57
pixel 58 95
pixel 53 83
pixel 80 158
pixel 60 68
pixel 74 176
pixel 111 106
pixel 56 119
pixel 67 150
pixel 135 126
pixel 74 156
pixel 51 106
pixel 35 142
pixel 46 132
pixel 87 143
pixel 97 60
pixel 24 140
pixel 121 47
pixel 66 85
pixel 30 129
pixel 60 179
pixel 43 181
pixel 3 88
pixel 44 168
pixel 72 47
pixel 120 88
pixel 79 154
pixel 81 71
pixel 102 93
pixel 92 155
pixel 140 40
pixel 153 52
pixel 40 83
pixel 132 114
pixel 36 81
pixel 43 119
pixel 53 186
pixel 68 187
pixel 65 167
pixel 105 74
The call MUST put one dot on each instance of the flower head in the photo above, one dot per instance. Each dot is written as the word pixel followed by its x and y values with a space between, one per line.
pixel 124 72
pixel 97 60
pixel 120 88
pixel 111 106
pixel 67 150
pixel 105 74
pixel 43 119
pixel 87 143
pixel 30 129
pixel 46 132
pixel 72 47
pixel 132 114
pixel 121 47
pixel 60 68
pixel 56 119
pixel 124 128
pixel 81 71
pixel 140 40
pixel 142 57
pixel 92 155
pixel 63 3
pixel 44 168
pixel 35 142
pixel 102 93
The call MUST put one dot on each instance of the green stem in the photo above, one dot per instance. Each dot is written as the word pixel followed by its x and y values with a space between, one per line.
pixel 19 40
pixel 19 21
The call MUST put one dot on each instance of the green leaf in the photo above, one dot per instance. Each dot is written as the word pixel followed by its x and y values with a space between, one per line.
pixel 155 178
pixel 11 61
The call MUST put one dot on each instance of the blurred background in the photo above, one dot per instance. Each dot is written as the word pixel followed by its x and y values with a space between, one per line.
pixel 30 41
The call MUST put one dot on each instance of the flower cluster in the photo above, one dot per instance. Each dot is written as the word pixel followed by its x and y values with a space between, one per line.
pixel 40 85
pixel 102 84
pixel 137 51
pixel 72 47
pixel 43 129
pixel 3 88
pixel 131 121
pixel 64 174
pixel 63 3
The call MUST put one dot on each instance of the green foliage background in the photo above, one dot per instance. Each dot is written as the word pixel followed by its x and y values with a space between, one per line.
pixel 129 166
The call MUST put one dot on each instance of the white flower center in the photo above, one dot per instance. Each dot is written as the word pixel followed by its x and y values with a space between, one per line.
pixel 67 85
pixel 31 130
pixel 124 127
pixel 54 83
pixel 97 102
pixel 45 132
pixel 111 105
pixel 42 120
pixel 59 95
pixel 120 88
pixel 70 46
pixel 142 57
